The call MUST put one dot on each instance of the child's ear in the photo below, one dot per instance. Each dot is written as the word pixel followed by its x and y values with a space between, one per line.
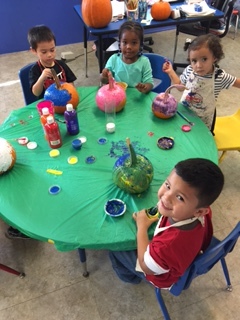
pixel 32 50
pixel 201 212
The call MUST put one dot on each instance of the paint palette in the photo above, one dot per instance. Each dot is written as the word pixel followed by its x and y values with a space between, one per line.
pixel 115 208
pixel 165 143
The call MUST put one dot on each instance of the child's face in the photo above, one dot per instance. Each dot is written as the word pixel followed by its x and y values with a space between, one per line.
pixel 202 61
pixel 177 199
pixel 46 52
pixel 130 46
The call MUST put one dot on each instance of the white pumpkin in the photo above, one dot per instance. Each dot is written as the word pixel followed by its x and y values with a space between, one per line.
pixel 7 156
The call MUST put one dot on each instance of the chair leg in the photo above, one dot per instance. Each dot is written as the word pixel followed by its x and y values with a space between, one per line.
pixel 236 26
pixel 10 270
pixel 226 274
pixel 222 156
pixel 162 304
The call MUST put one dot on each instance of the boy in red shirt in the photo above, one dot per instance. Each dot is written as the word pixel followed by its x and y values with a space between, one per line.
pixel 184 230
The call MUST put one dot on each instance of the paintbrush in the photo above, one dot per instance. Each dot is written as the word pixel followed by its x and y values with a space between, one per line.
pixel 185 118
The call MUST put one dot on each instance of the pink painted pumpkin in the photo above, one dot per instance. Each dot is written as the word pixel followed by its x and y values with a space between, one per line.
pixel 109 94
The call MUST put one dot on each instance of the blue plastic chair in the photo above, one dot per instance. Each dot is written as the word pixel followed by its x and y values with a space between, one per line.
pixel 216 251
pixel 23 74
pixel 161 79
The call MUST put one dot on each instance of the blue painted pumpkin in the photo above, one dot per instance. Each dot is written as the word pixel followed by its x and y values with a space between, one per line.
pixel 61 96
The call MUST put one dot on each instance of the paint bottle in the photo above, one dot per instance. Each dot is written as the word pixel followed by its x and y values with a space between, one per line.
pixel 43 119
pixel 152 212
pixel 53 134
pixel 71 118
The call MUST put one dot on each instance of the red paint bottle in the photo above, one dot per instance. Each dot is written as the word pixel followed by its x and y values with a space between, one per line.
pixel 53 134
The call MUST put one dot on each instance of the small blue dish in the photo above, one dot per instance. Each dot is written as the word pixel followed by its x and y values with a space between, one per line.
pixel 77 144
pixel 115 208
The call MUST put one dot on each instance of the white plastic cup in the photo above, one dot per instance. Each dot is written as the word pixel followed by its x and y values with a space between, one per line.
pixel 110 114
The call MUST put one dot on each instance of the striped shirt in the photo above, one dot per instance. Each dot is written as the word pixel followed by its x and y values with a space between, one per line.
pixel 223 80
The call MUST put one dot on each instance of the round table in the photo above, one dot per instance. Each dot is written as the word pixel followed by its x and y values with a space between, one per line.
pixel 75 217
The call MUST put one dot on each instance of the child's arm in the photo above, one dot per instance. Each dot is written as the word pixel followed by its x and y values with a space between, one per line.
pixel 144 87
pixel 237 83
pixel 167 67
pixel 143 223
pixel 37 88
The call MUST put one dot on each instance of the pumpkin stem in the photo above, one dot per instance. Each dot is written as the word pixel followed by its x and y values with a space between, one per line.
pixel 55 77
pixel 111 81
pixel 177 86
pixel 133 157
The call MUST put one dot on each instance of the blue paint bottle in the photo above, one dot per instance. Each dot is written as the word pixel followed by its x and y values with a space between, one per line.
pixel 71 118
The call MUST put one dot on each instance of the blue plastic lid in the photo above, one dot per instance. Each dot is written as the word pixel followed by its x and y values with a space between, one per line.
pixel 54 189
pixel 90 159
pixel 102 140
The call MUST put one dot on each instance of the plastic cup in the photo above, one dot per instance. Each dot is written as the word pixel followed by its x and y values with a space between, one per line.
pixel 77 144
pixel 132 15
pixel 132 9
pixel 110 114
pixel 123 85
pixel 45 104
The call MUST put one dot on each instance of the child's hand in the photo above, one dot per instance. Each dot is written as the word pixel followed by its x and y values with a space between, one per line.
pixel 105 73
pixel 47 73
pixel 142 219
pixel 143 87
pixel 167 67
pixel 104 76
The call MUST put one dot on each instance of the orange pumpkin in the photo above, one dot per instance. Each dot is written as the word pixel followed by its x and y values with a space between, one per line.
pixel 160 10
pixel 97 13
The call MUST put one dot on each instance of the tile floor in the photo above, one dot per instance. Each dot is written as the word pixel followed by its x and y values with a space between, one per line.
pixel 54 288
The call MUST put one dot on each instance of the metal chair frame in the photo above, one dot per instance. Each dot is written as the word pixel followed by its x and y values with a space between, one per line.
pixel 12 271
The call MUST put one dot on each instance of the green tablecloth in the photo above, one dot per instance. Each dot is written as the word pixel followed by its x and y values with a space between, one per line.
pixel 75 217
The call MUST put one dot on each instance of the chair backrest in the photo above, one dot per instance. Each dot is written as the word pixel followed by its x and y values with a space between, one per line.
pixel 216 251
pixel 23 74
pixel 161 78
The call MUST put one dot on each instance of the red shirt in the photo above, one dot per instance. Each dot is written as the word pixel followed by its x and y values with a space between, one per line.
pixel 174 249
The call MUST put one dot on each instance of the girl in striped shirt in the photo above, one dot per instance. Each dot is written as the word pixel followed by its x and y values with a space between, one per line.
pixel 203 79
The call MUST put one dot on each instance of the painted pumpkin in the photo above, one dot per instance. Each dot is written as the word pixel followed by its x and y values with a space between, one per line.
pixel 61 94
pixel 97 13
pixel 160 10
pixel 7 156
pixel 133 172
pixel 164 105
pixel 111 93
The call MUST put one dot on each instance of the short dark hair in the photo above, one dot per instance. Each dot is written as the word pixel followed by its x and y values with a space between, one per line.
pixel 39 34
pixel 132 26
pixel 211 41
pixel 204 176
